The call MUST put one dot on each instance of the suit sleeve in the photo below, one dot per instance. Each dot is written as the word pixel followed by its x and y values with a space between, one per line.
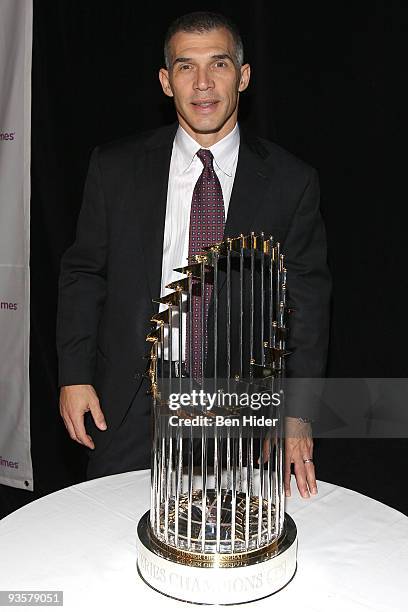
pixel 82 286
pixel 309 289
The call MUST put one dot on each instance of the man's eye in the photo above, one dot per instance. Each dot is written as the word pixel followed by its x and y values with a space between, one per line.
pixel 220 64
pixel 185 66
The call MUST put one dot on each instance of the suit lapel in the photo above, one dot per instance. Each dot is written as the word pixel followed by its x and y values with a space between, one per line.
pixel 250 185
pixel 153 211
pixel 251 182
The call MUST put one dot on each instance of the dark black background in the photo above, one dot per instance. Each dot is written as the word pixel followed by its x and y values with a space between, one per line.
pixel 318 89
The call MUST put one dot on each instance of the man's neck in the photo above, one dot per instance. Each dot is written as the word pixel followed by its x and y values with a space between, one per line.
pixel 208 139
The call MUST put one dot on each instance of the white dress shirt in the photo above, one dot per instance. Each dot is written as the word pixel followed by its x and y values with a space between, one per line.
pixel 185 169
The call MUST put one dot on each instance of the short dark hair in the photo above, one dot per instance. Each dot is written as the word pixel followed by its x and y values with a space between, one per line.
pixel 203 21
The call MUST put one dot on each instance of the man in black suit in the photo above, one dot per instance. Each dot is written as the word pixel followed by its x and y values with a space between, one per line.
pixel 132 229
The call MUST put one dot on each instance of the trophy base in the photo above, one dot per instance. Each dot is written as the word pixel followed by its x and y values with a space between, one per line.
pixel 216 578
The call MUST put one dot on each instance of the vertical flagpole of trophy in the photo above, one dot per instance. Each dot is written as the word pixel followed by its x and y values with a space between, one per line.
pixel 217 531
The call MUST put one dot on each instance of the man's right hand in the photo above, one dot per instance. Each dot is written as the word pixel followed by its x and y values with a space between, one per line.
pixel 75 400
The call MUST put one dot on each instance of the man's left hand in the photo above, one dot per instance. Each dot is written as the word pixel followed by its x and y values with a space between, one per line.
pixel 299 452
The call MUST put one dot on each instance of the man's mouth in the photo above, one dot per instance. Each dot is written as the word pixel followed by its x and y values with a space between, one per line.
pixel 205 105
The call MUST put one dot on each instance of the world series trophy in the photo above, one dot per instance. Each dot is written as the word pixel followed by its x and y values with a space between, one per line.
pixel 217 531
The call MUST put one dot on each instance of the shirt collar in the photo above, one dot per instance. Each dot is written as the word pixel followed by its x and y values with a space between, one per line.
pixel 224 151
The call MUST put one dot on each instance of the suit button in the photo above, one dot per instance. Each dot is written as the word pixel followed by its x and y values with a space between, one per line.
pixel 137 375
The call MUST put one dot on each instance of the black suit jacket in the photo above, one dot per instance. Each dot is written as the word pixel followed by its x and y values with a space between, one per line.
pixel 113 270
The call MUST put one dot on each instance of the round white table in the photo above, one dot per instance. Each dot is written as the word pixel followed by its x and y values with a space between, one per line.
pixel 353 550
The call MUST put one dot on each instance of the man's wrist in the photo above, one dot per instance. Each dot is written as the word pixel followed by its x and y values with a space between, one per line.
pixel 297 427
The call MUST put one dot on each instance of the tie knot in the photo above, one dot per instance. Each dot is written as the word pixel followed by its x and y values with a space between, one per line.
pixel 206 157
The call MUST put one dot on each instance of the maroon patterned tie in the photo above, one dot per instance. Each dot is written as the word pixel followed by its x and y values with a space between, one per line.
pixel 207 221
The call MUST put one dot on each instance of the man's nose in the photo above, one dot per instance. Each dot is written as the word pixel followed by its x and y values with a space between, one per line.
pixel 203 80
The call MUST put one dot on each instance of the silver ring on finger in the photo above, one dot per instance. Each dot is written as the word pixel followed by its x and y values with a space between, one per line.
pixel 307 460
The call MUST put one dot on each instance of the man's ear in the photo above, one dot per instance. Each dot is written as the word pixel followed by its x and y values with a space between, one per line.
pixel 245 76
pixel 165 82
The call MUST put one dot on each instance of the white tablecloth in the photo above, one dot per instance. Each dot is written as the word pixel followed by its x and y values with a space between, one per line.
pixel 353 551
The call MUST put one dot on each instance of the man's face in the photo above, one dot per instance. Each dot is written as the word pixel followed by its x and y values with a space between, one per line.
pixel 204 80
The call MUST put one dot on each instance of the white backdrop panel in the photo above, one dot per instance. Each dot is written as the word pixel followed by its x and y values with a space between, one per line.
pixel 15 109
pixel 15 459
